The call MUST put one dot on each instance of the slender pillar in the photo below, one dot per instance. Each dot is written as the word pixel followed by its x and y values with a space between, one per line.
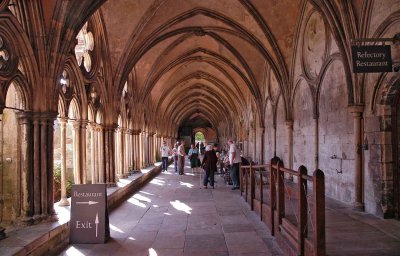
pixel 289 125
pixel 136 150
pixel 93 174
pixel 316 142
pixel 357 112
pixel 110 155
pixel 76 151
pixel 127 144
pixel 83 151
pixel 262 141
pixel 119 158
pixel 63 126
pixel 36 167
pixel 140 152
pixel 100 153
pixel 254 143
pixel 50 163
pixel 43 165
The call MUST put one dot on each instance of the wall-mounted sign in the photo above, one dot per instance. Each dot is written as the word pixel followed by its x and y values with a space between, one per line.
pixel 371 58
pixel 89 222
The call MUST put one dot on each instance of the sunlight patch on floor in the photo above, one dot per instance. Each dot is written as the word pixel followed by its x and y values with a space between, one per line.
pixel 142 198
pixel 181 206
pixel 147 193
pixel 189 185
pixel 152 252
pixel 136 202
pixel 157 181
pixel 114 228
pixel 72 251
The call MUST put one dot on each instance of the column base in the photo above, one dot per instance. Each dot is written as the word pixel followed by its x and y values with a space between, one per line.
pixel 110 184
pixel 64 202
pixel 2 233
pixel 358 206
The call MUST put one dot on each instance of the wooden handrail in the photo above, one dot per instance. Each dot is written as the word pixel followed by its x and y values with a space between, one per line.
pixel 279 225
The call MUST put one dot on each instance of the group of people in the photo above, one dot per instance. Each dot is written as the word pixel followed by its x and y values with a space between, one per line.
pixel 209 163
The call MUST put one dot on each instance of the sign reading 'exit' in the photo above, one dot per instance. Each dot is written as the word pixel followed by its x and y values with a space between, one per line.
pixel 89 216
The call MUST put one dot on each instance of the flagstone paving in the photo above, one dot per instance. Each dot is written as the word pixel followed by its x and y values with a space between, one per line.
pixel 173 215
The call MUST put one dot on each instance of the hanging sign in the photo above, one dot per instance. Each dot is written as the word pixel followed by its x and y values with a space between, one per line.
pixel 89 222
pixel 371 58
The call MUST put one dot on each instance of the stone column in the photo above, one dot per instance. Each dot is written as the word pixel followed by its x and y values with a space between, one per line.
pixel 25 124
pixel 357 112
pixel 50 162
pixel 100 153
pixel 93 173
pixel 254 143
pixel 274 140
pixel 316 142
pixel 136 150
pixel 76 151
pixel 140 152
pixel 63 137
pixel 83 151
pixel 151 148
pixel 119 158
pixel 262 141
pixel 36 167
pixel 127 147
pixel 43 166
pixel 289 125
pixel 110 155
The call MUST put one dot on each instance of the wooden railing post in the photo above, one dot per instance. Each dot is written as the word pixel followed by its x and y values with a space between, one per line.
pixel 252 186
pixel 281 194
pixel 246 181
pixel 272 194
pixel 261 192
pixel 241 180
pixel 302 208
pixel 319 212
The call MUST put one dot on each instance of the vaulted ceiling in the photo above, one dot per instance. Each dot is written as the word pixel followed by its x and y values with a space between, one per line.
pixel 199 59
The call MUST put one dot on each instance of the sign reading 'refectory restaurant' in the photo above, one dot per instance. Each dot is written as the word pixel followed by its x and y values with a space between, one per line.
pixel 371 58
pixel 89 216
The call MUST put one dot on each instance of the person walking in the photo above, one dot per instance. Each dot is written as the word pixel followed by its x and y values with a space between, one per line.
pixel 181 158
pixel 234 160
pixel 164 151
pixel 193 155
pixel 175 155
pixel 209 165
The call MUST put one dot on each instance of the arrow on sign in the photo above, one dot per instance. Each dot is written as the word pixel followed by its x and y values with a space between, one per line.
pixel 97 222
pixel 88 203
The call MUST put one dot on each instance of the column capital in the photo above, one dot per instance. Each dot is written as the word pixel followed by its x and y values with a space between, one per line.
pixel 62 120
pixel 75 124
pixel 356 110
pixel 99 127
pixel 84 123
pixel 289 123
pixel 24 117
pixel 136 131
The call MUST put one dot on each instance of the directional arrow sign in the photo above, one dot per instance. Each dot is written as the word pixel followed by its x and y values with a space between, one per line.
pixel 88 203
pixel 89 216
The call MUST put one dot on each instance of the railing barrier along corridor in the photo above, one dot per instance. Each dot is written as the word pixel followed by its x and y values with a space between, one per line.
pixel 291 203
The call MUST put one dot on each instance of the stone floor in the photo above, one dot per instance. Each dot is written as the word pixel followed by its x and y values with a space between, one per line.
pixel 350 232
pixel 173 215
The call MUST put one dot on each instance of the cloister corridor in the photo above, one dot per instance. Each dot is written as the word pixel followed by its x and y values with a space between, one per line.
pixel 293 103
